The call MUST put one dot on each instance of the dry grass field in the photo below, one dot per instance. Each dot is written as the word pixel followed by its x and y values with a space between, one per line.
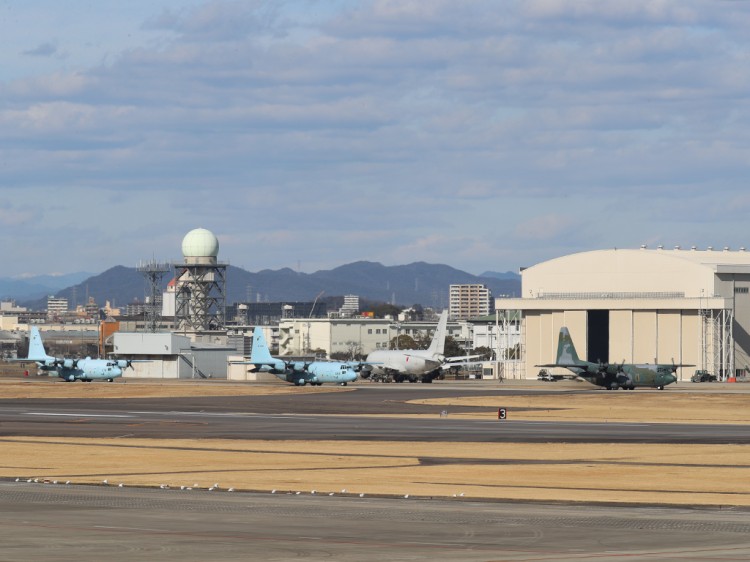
pixel 666 474
pixel 622 406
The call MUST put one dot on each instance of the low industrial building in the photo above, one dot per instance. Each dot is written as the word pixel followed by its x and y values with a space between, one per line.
pixel 358 336
pixel 172 356
pixel 688 307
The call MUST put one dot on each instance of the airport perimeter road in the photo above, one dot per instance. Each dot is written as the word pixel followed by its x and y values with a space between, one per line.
pixel 61 418
pixel 46 522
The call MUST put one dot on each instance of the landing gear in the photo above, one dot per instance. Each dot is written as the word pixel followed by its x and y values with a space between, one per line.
pixel 661 387
pixel 300 382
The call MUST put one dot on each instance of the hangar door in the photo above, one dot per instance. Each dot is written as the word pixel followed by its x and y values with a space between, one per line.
pixel 597 336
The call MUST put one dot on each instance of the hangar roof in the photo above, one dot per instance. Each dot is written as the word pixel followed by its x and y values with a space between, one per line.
pixel 634 273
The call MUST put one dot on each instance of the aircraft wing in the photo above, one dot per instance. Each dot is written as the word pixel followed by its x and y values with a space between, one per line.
pixel 577 369
pixel 256 363
pixel 448 365
pixel 358 366
pixel 458 358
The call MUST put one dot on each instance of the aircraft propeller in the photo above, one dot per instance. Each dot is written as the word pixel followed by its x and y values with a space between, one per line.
pixel 122 363
pixel 67 363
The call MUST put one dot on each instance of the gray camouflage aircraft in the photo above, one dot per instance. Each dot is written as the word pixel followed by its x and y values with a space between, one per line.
pixel 612 376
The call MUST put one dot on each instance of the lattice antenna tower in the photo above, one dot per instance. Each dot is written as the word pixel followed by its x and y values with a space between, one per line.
pixel 153 272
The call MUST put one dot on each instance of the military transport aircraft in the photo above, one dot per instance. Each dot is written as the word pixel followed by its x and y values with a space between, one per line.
pixel 70 369
pixel 300 373
pixel 413 365
pixel 612 375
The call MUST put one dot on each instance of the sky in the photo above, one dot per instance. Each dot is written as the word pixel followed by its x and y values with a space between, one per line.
pixel 486 135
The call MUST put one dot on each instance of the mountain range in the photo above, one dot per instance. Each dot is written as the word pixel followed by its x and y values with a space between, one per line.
pixel 415 283
pixel 38 286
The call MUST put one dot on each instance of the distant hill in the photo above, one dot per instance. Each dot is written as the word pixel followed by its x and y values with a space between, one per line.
pixel 498 275
pixel 416 283
pixel 38 286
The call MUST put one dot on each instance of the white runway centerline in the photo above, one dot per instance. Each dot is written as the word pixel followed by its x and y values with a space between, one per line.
pixel 81 415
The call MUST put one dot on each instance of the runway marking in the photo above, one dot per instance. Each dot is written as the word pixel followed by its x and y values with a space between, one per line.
pixel 565 424
pixel 229 415
pixel 124 528
pixel 78 415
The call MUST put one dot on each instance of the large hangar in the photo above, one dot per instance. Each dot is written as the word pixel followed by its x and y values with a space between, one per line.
pixel 640 306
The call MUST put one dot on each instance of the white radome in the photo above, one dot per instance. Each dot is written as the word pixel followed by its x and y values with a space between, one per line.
pixel 200 243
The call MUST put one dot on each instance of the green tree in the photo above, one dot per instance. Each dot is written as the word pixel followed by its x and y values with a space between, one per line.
pixel 320 352
pixel 404 342
pixel 452 349
pixel 353 352
pixel 485 352
pixel 383 310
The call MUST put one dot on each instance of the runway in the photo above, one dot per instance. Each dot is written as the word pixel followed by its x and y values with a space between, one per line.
pixel 95 523
pixel 335 416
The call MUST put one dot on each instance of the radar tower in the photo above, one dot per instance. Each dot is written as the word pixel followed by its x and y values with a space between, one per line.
pixel 200 284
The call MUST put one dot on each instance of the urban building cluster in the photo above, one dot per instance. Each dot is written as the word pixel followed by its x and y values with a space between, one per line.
pixel 189 330
pixel 686 307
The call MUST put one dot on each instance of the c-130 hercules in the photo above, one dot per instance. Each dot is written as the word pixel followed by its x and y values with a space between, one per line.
pixel 612 376
pixel 71 369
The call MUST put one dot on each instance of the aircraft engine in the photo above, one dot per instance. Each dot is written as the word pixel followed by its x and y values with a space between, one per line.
pixel 69 363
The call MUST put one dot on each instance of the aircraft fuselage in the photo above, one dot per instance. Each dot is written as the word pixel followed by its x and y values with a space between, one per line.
pixel 85 370
pixel 319 372
pixel 628 376
pixel 409 362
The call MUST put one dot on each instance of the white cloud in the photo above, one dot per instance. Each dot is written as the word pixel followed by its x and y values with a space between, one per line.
pixel 389 130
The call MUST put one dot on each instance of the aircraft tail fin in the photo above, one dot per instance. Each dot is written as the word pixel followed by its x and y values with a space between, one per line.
pixel 437 346
pixel 260 353
pixel 36 346
pixel 566 351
